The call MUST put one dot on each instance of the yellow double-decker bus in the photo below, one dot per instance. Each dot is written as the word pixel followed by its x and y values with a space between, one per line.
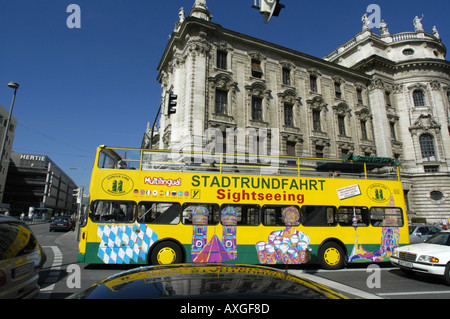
pixel 159 207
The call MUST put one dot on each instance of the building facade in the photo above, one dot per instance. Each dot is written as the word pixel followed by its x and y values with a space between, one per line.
pixel 36 183
pixel 370 97
pixel 4 114
pixel 409 96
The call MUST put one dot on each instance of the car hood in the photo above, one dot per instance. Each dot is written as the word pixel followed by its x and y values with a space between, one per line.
pixel 426 249
pixel 206 281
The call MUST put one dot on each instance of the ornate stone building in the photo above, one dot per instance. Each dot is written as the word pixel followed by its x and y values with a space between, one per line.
pixel 409 95
pixel 377 95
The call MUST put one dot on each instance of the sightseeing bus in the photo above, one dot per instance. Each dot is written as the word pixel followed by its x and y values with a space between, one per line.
pixel 153 207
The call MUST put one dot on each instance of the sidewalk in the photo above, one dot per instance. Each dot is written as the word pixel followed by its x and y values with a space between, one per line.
pixel 36 222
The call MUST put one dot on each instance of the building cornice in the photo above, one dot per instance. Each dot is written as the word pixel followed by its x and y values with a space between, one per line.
pixel 384 42
pixel 376 61
pixel 192 23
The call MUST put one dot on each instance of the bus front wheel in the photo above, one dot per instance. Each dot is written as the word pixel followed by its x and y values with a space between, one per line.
pixel 166 253
pixel 331 256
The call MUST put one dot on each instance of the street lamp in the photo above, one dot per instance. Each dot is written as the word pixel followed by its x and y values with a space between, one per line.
pixel 14 86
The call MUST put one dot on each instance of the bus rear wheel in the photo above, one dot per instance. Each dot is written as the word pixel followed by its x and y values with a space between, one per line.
pixel 331 256
pixel 166 253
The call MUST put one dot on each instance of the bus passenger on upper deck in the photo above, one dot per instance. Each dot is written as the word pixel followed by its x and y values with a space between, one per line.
pixel 335 174
pixel 122 165
pixel 212 168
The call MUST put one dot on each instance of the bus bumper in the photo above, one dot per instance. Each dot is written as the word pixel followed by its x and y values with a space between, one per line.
pixel 80 257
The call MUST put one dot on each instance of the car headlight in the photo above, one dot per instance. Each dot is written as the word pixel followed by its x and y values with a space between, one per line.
pixel 395 253
pixel 428 259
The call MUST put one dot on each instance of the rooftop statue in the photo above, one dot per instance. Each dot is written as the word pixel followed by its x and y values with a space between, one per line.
pixel 181 15
pixel 366 22
pixel 418 24
pixel 200 3
pixel 435 32
pixel 383 29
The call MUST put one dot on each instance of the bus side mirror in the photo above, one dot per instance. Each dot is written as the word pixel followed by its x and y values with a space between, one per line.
pixel 91 209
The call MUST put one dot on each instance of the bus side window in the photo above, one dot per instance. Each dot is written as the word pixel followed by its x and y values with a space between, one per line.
pixel 212 209
pixel 247 215
pixel 386 217
pixel 159 213
pixel 273 215
pixel 270 217
pixel 347 213
pixel 113 211
pixel 319 216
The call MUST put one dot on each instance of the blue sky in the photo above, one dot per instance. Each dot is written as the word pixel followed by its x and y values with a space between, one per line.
pixel 80 88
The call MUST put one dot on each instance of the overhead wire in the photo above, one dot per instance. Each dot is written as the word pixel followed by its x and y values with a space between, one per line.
pixel 52 138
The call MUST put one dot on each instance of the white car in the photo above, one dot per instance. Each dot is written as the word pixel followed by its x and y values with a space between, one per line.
pixel 420 233
pixel 431 257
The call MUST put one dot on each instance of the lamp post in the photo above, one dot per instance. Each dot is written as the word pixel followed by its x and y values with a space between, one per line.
pixel 14 86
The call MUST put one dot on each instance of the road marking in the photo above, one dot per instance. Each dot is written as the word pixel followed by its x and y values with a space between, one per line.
pixel 314 271
pixel 46 289
pixel 53 276
pixel 413 293
pixel 335 285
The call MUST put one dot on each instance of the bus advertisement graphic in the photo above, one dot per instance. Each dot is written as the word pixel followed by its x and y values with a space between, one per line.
pixel 117 184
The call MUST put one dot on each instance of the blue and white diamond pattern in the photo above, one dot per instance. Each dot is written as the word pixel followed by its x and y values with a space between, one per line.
pixel 121 244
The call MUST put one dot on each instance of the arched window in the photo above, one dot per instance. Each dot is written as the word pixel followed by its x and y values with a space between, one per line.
pixel 427 147
pixel 419 98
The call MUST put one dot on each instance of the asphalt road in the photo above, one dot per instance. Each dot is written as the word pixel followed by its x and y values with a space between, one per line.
pixel 63 276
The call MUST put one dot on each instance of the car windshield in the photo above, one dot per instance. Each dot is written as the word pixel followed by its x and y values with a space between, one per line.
pixel 411 229
pixel 439 239
pixel 61 219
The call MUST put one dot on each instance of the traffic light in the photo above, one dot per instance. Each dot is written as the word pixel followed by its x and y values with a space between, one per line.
pixel 278 7
pixel 171 106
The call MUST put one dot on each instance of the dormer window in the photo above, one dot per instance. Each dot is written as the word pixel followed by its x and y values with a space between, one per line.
pixel 337 90
pixel 313 83
pixel 393 135
pixel 316 120
pixel 286 76
pixel 222 60
pixel 387 98
pixel 256 69
pixel 359 96
pixel 364 130
pixel 341 125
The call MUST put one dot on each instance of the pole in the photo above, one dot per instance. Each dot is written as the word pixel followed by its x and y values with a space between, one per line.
pixel 153 128
pixel 79 207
